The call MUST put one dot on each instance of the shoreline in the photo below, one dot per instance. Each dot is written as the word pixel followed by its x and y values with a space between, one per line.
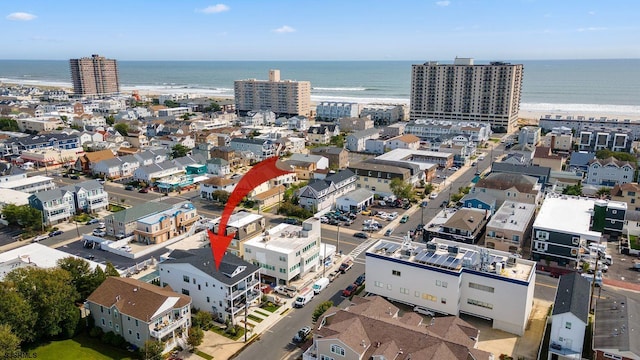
pixel 528 111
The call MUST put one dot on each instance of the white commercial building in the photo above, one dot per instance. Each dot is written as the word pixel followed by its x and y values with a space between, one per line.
pixel 333 110
pixel 451 278
pixel 286 252
pixel 30 185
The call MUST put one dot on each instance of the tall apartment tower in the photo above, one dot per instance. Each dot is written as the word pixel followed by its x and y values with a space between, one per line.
pixel 464 91
pixel 283 97
pixel 96 75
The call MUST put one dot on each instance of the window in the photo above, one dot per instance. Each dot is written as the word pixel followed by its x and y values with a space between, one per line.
pixel 110 324
pixel 395 272
pixel 117 328
pixel 575 240
pixel 429 297
pixel 481 287
pixel 443 300
pixel 611 356
pixel 378 284
pixel 438 283
pixel 325 357
pixel 542 235
pixel 138 335
pixel 567 325
pixel 404 291
pixel 335 349
pixel 417 293
pixel 136 322
pixel 208 299
pixel 185 291
pixel 480 303
pixel 388 286
pixel 103 323
pixel 185 278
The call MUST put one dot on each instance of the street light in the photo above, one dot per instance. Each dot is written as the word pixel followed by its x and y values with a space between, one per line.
pixel 338 239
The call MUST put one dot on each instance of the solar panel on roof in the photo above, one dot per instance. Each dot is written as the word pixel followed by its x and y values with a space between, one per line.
pixel 448 262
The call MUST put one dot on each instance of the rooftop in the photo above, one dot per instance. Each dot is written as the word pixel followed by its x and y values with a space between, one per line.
pixel 232 268
pixel 455 257
pixel 617 323
pixel 155 218
pixel 512 216
pixel 284 238
pixel 26 181
pixel 240 219
pixel 408 154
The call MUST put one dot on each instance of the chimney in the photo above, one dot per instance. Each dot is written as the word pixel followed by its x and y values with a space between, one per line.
pixel 553 142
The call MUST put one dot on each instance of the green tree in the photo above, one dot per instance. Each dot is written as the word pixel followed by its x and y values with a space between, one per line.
pixel 202 319
pixel 110 270
pixel 215 107
pixel 9 342
pixel 622 156
pixel 401 189
pixel 321 309
pixel 122 128
pixel 23 216
pixel 110 120
pixel 97 278
pixel 81 275
pixel 51 294
pixel 195 337
pixel 151 350
pixel 171 104
pixel 428 188
pixel 185 116
pixel 7 124
pixel 575 190
pixel 179 150
pixel 221 196
pixel 337 141
pixel 16 312
pixel 603 191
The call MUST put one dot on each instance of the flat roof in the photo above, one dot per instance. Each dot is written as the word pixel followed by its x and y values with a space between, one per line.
pixel 25 181
pixel 455 257
pixel 240 219
pixel 284 239
pixel 404 154
pixel 512 216
pixel 9 196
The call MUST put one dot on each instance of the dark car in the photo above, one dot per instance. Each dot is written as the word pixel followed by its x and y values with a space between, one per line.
pixel 301 335
pixel 55 233
pixel 350 290
pixel 93 221
pixel 65 175
pixel 292 221
pixel 129 187
pixel 360 280
pixel 143 190
pixel 74 177
pixel 361 235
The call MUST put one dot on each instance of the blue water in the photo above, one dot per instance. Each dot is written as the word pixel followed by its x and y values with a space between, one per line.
pixel 604 85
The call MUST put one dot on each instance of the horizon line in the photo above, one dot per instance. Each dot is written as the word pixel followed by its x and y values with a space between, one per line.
pixel 327 60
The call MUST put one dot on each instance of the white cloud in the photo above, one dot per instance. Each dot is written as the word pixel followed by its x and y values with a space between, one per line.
pixel 592 29
pixel 284 29
pixel 443 3
pixel 214 9
pixel 21 16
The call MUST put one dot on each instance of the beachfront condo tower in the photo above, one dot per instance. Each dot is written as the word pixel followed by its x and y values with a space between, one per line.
pixel 464 91
pixel 96 75
pixel 283 97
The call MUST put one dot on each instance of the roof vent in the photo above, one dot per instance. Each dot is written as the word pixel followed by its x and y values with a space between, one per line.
pixel 363 343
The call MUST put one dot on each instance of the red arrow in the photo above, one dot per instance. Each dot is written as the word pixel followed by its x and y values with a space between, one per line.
pixel 263 171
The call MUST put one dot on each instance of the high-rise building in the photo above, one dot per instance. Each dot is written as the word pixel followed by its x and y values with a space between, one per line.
pixel 283 97
pixel 96 75
pixel 464 91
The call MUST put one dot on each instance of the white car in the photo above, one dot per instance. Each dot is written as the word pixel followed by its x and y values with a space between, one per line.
pixel 433 196
pixel 99 233
pixel 423 311
pixel 454 168
pixel 40 237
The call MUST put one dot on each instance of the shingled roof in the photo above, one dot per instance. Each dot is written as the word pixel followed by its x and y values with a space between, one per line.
pixel 504 181
pixel 573 296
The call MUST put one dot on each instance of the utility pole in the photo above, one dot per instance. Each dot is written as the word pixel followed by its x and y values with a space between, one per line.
pixel 324 258
pixel 593 283
pixel 246 310
pixel 338 240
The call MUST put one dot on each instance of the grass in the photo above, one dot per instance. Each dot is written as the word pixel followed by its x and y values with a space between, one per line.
pixel 82 218
pixel 115 208
pixel 271 307
pixel 255 318
pixel 633 242
pixel 220 331
pixel 80 347
pixel 494 140
pixel 262 313
pixel 204 355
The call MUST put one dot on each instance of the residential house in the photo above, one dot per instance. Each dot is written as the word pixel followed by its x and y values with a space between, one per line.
pixel 338 157
pixel 529 135
pixel 286 252
pixel 124 222
pixel 569 318
pixel 116 168
pixel 579 161
pixel 164 225
pixel 224 292
pixel 542 173
pixel 355 201
pixel 320 195
pixel 169 141
pixel 393 130
pixel 213 184
pixel 322 134
pixel 465 225
pixel 410 142
pixel 304 170
pixel 543 156
pixel 244 226
pixel 428 129
pixel 87 138
pixel 559 139
pixel 357 141
pixel 561 238
pixel 218 167
pixel 384 114
pixel 334 110
pixel 320 161
pixel 610 171
pixel 515 159
pixel 89 196
pixel 87 161
pixel 291 145
pixel 191 164
pixel 150 174
pixel 152 157
pixel 31 184
pixel 479 200
pixel 260 149
pixel 457 278
pixel 596 138
pixel 139 312
pixel 57 205
pixel 510 227
pixel 352 124
pixel 514 187
pixel 620 313
pixel 267 199
pixel 628 193
pixel 377 177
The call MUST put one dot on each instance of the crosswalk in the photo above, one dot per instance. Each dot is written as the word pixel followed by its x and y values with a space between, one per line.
pixel 362 247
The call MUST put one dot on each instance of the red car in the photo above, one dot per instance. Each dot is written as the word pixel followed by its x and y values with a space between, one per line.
pixel 350 290
pixel 143 190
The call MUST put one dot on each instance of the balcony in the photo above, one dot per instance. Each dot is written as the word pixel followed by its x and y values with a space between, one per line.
pixel 165 329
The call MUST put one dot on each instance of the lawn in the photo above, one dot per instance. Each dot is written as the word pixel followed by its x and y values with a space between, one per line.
pixel 271 307
pixel 80 347
pixel 204 355
pixel 633 242
pixel 262 313
pixel 220 331
pixel 115 208
pixel 255 318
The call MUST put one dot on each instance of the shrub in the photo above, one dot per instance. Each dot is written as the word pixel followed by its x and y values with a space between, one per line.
pixel 107 338
pixel 95 332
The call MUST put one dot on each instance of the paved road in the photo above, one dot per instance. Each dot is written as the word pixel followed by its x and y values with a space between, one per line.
pixel 276 342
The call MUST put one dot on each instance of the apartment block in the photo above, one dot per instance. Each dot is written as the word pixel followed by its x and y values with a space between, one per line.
pixel 594 139
pixel 96 75
pixel 334 110
pixel 383 114
pixel 164 225
pixel 602 124
pixel 510 227
pixel 430 129
pixel 283 97
pixel 244 226
pixel 610 172
pixel 457 278
pixel 465 91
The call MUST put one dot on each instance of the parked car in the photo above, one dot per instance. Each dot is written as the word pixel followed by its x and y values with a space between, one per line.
pixel 301 335
pixel 366 212
pixel 346 265
pixel 334 275
pixel 143 190
pixel 100 233
pixel 388 232
pixel 55 233
pixel 423 311
pixel 93 221
pixel 433 195
pixel 292 221
pixel 361 235
pixel 424 203
pixel 382 203
pixel 324 220
pixel 101 225
pixel 360 280
pixel 74 177
pixel 39 237
pixel 129 187
pixel 350 290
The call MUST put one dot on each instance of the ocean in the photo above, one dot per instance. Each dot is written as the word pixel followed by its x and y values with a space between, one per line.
pixel 605 86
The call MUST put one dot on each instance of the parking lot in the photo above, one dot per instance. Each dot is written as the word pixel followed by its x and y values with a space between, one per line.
pixel 621 267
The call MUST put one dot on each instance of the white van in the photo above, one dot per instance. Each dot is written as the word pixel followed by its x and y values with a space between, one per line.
pixel 320 285
pixel 306 295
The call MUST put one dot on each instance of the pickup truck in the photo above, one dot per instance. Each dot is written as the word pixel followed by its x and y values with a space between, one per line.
pixel 285 291
pixel 334 275
pixel 346 266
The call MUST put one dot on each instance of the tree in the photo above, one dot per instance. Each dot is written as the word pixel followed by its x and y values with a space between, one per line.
pixel 185 117
pixel 110 270
pixel 51 294
pixel 122 128
pixel 17 313
pixel 428 188
pixel 9 343
pixel 575 190
pixel 321 309
pixel 213 107
pixel 401 189
pixel 23 216
pixel 81 275
pixel 7 124
pixel 110 120
pixel 179 150
pixel 195 337
pixel 151 350
pixel 221 195
pixel 201 319
pixel 603 191
pixel 97 278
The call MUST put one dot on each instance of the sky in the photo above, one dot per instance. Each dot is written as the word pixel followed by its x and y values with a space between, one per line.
pixel 320 30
